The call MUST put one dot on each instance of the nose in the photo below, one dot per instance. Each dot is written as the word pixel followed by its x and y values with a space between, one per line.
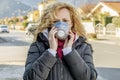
pixel 61 20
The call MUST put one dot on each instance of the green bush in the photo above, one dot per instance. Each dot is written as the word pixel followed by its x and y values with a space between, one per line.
pixel 96 22
pixel 108 19
pixel 24 24
pixel 116 21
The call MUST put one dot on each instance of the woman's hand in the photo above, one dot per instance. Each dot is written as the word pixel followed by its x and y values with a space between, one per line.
pixel 52 39
pixel 69 43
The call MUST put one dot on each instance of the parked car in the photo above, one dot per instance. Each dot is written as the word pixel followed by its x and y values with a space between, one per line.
pixel 4 28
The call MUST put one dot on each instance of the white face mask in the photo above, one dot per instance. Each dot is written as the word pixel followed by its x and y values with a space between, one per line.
pixel 63 29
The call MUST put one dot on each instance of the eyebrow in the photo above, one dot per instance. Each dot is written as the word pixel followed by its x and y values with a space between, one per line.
pixel 65 19
pixel 56 19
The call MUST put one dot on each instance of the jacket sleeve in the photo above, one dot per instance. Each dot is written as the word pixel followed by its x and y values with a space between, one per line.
pixel 82 68
pixel 38 64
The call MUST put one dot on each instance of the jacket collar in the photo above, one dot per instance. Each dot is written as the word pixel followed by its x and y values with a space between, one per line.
pixel 79 41
pixel 43 37
pixel 45 33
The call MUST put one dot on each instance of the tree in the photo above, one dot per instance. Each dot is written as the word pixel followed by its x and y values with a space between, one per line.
pixel 16 20
pixel 116 21
pixel 24 24
pixel 25 17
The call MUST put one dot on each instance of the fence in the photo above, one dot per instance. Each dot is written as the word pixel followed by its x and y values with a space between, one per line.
pixel 110 29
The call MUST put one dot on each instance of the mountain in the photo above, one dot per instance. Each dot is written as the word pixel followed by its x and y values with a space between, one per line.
pixel 76 3
pixel 10 8
pixel 32 3
pixel 80 3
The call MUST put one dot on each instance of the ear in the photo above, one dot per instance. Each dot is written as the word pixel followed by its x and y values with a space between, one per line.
pixel 71 24
pixel 72 27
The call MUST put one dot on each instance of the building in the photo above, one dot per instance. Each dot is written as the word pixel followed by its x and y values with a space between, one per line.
pixel 111 7
pixel 43 4
pixel 104 13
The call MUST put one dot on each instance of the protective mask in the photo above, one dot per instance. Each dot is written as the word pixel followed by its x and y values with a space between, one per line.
pixel 63 29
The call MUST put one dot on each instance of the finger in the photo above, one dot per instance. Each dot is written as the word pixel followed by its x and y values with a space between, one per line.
pixel 54 32
pixel 52 29
pixel 71 35
pixel 71 32
pixel 66 41
pixel 56 39
pixel 52 35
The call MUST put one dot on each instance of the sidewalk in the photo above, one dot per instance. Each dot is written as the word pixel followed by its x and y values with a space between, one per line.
pixel 107 40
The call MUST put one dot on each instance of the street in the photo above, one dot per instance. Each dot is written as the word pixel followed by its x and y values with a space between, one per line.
pixel 106 54
pixel 14 47
pixel 106 59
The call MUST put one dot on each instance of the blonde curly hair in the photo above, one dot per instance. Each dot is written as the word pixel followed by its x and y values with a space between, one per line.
pixel 49 15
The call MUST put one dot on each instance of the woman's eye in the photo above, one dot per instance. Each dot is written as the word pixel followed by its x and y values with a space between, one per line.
pixel 55 21
pixel 65 20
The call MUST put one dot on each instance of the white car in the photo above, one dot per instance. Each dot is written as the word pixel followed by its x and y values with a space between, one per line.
pixel 4 28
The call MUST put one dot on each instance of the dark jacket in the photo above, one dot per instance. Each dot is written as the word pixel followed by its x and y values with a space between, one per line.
pixel 42 65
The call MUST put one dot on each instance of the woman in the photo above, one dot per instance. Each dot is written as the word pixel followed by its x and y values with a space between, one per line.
pixel 52 59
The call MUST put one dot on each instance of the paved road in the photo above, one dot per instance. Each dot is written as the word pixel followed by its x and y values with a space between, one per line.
pixel 13 46
pixel 106 52
pixel 106 57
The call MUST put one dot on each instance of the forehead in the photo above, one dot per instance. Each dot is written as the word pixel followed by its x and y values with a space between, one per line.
pixel 63 12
